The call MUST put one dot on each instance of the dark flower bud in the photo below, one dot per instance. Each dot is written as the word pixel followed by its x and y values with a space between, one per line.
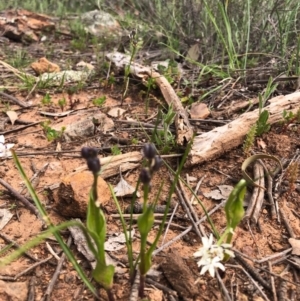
pixel 149 151
pixel 89 152
pixel 145 176
pixel 156 163
pixel 94 164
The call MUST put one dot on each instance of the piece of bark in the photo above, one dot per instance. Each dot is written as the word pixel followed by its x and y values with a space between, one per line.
pixel 257 197
pixel 179 275
pixel 110 166
pixel 184 130
pixel 214 143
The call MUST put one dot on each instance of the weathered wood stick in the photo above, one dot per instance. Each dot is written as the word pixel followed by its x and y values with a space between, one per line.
pixel 212 144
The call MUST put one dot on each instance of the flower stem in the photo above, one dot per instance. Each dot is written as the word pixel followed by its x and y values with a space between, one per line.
pixel 142 286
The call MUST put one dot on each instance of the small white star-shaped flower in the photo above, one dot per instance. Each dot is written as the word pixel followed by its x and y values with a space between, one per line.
pixel 4 148
pixel 211 255
pixel 211 266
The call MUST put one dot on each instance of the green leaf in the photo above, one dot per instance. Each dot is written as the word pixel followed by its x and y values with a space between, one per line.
pixel 96 226
pixel 104 275
pixel 58 237
pixel 145 265
pixel 234 206
pixel 145 221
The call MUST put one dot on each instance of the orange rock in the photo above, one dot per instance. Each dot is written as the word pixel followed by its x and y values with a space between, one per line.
pixel 43 65
pixel 199 111
pixel 73 194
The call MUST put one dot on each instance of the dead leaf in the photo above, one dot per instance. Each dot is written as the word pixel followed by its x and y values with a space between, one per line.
pixel 5 217
pixel 116 242
pixel 261 144
pixel 116 112
pixel 193 52
pixel 219 194
pixel 13 116
pixel 123 189
pixel 295 243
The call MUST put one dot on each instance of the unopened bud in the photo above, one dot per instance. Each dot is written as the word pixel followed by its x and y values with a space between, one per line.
pixel 149 151
pixel 145 176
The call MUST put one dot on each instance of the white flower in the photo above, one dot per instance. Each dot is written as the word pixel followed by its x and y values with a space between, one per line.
pixel 207 244
pixel 211 255
pixel 211 265
pixel 4 148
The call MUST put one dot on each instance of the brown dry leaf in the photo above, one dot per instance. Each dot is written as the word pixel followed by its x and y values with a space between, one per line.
pixel 261 144
pixel 199 111
pixel 193 53
pixel 123 189
pixel 295 243
pixel 13 116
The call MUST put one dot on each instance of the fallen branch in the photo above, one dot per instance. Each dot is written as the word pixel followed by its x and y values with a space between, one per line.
pixel 224 138
pixel 184 130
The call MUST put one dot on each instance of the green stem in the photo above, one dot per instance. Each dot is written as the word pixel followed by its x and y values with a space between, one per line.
pixel 94 187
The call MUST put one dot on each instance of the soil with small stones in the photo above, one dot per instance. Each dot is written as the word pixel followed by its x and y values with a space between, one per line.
pixel 178 269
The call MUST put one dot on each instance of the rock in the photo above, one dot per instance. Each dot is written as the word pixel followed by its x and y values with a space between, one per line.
pixel 101 24
pixel 85 127
pixel 43 65
pixel 67 76
pixel 13 291
pixel 199 111
pixel 24 26
pixel 73 194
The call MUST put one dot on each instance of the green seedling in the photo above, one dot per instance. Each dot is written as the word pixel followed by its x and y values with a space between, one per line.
pixel 250 139
pixel 46 100
pixel 115 150
pixel 62 103
pixel 262 125
pixel 52 134
pixel 100 101
pixel 135 46
pixel 163 138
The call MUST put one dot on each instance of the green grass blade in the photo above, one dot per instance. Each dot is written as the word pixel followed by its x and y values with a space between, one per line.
pixel 58 237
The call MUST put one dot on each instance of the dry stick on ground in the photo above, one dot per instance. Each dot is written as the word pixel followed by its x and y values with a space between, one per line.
pixel 14 100
pixel 32 267
pixel 169 243
pixel 56 273
pixel 249 276
pixel 188 212
pixel 20 128
pixel 253 272
pixel 191 208
pixel 163 288
pixel 135 287
pixel 224 289
pixel 31 289
pixel 222 139
pixel 16 245
pixel 272 282
pixel 257 196
pixel 22 199
pixel 287 224
pixel 184 130
pixel 274 212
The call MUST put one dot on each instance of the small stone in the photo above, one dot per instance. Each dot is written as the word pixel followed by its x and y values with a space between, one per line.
pixel 43 65
pixel 72 197
pixel 199 111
